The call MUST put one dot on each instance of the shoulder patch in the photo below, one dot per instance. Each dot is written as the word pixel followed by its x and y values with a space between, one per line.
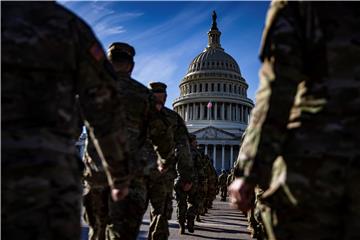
pixel 97 52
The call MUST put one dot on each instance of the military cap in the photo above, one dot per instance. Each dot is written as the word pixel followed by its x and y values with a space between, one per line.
pixel 158 87
pixel 119 51
pixel 192 137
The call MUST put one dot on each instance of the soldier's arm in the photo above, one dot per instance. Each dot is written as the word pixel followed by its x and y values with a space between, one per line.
pixel 161 135
pixel 101 104
pixel 280 74
pixel 185 165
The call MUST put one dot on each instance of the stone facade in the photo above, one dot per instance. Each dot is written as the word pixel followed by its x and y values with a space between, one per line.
pixel 214 103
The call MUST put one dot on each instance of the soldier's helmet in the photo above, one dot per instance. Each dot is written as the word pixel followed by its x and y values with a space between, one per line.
pixel 158 87
pixel 119 51
pixel 223 171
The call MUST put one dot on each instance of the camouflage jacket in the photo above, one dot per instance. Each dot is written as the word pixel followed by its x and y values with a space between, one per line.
pixel 309 86
pixel 183 161
pixel 145 123
pixel 49 56
pixel 223 179
pixel 199 165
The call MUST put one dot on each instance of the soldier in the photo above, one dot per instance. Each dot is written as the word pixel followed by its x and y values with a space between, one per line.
pixel 188 202
pixel 202 186
pixel 48 56
pixel 223 185
pixel 212 183
pixel 146 127
pixel 307 112
pixel 161 185
pixel 230 177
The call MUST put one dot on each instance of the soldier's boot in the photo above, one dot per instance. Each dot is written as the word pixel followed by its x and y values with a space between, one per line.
pixel 190 225
pixel 181 228
pixel 198 218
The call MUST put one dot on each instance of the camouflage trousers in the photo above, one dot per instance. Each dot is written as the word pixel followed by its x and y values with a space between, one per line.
pixel 125 216
pixel 211 195
pixel 41 195
pixel 160 196
pixel 187 203
pixel 95 202
pixel 201 195
pixel 319 200
pixel 223 192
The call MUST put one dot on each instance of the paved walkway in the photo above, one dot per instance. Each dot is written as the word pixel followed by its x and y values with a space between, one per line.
pixel 221 222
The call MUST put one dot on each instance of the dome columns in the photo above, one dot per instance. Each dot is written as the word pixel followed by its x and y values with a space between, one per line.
pixel 220 111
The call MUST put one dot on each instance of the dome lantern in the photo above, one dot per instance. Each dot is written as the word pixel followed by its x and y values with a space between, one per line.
pixel 214 34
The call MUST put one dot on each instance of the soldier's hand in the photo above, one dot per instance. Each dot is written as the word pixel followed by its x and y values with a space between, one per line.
pixel 187 186
pixel 118 194
pixel 241 194
pixel 162 168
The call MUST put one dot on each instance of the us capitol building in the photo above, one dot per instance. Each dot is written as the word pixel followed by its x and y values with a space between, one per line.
pixel 213 101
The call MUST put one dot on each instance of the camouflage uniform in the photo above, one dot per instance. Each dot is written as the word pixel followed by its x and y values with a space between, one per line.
pixel 223 185
pixel 230 177
pixel 307 112
pixel 202 186
pixel 48 56
pixel 212 183
pixel 161 185
pixel 146 126
pixel 188 202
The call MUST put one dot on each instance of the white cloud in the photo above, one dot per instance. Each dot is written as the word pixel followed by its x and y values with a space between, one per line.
pixel 103 16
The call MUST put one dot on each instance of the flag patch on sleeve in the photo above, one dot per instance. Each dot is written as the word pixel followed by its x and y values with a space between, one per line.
pixel 97 52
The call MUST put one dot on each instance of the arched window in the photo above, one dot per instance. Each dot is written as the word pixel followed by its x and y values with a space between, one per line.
pixel 224 87
pixel 200 87
pixel 206 87
pixel 212 87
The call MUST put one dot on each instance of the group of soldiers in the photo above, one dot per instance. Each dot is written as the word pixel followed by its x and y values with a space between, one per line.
pixel 300 154
pixel 57 78
pixel 225 179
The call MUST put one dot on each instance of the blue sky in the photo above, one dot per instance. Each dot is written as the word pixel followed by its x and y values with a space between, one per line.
pixel 168 35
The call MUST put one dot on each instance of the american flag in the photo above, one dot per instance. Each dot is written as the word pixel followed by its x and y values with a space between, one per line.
pixel 209 105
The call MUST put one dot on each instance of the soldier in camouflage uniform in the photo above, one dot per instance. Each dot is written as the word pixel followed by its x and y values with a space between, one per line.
pixel 161 185
pixel 188 202
pixel 146 126
pixel 230 177
pixel 307 112
pixel 202 186
pixel 223 185
pixel 212 183
pixel 49 56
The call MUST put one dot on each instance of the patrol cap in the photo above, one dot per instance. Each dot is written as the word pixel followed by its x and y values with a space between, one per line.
pixel 119 51
pixel 158 87
pixel 192 137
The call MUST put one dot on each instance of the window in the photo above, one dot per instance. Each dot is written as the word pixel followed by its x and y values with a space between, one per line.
pixel 205 110
pixel 200 87
pixel 218 88
pixel 195 86
pixel 219 111
pixel 212 87
pixel 206 87
pixel 224 87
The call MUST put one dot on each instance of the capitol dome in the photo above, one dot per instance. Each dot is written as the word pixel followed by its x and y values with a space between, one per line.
pixel 213 101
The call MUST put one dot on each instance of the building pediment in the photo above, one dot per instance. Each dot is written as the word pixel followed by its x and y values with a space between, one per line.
pixel 210 133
